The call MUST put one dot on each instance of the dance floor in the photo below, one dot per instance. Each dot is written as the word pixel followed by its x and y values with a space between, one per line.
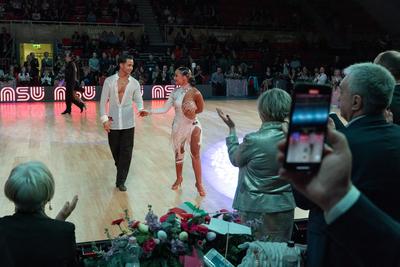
pixel 76 150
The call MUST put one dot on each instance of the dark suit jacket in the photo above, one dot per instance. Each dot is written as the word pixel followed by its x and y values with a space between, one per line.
pixel 395 105
pixel 70 77
pixel 368 234
pixel 375 146
pixel 37 240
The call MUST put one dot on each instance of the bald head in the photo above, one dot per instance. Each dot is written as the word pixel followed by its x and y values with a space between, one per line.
pixel 391 61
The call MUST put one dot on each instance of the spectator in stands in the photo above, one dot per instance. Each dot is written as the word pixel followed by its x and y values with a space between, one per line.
pixel 91 17
pixel 94 65
pixel 267 82
pixel 76 40
pixel 218 83
pixel 292 75
pixel 304 76
pixel 198 75
pixel 165 77
pixel 23 77
pixel 34 72
pixel 321 78
pixel 122 40
pixel 32 238
pixel 295 63
pixel 36 14
pixel 104 62
pixel 156 75
pixel 59 64
pixel 47 62
pixel 260 193
pixel 5 38
pixel 47 78
pixel 87 77
pixel 232 73
pixel 336 79
pixel 150 66
pixel 131 40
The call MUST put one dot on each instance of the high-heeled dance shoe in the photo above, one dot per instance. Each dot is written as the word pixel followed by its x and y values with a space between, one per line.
pixel 200 190
pixel 65 112
pixel 177 184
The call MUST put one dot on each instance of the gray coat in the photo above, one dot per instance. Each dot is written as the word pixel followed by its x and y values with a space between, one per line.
pixel 260 188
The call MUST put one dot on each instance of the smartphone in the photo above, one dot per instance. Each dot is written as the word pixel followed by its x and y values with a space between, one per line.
pixel 307 128
pixel 214 259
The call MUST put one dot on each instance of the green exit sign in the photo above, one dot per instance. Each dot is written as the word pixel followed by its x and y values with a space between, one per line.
pixel 36 46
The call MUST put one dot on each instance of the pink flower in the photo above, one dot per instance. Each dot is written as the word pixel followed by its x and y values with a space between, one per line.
pixel 149 245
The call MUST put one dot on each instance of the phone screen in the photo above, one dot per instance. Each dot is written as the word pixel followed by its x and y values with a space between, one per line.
pixel 307 129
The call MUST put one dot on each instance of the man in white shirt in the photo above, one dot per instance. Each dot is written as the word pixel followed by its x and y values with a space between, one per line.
pixel 321 78
pixel 119 90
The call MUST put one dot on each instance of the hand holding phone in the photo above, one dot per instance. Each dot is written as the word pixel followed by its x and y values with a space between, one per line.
pixel 307 128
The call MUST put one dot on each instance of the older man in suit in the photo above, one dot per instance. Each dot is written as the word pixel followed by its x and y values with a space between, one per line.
pixel 366 92
pixel 348 213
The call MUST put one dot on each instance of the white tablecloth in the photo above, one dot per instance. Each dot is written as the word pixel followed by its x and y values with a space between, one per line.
pixel 235 87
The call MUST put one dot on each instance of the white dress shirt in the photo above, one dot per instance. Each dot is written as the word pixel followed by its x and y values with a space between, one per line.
pixel 343 205
pixel 122 114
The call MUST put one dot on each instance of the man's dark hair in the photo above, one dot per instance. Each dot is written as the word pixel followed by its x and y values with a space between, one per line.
pixel 122 59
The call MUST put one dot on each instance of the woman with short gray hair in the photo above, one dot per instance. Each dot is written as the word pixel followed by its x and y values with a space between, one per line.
pixel 260 193
pixel 30 232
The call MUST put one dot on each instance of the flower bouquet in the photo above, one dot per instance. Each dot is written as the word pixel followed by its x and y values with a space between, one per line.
pixel 179 238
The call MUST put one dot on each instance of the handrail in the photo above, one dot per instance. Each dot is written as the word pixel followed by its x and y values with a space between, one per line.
pixel 233 27
pixel 71 23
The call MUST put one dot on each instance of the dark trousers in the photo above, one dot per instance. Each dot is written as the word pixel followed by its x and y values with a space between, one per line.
pixel 71 98
pixel 121 145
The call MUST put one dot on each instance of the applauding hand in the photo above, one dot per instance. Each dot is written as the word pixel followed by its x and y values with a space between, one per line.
pixel 67 209
pixel 226 119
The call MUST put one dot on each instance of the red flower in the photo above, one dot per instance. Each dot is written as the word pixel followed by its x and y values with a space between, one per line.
pixel 201 229
pixel 207 219
pixel 149 245
pixel 165 217
pixel 200 243
pixel 237 220
pixel 134 224
pixel 117 222
pixel 185 226
pixel 186 216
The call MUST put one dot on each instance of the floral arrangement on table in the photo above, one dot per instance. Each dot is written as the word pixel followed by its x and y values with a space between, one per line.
pixel 178 238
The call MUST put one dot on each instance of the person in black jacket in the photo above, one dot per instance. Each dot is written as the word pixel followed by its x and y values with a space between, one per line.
pixel 366 92
pixel 32 238
pixel 370 236
pixel 71 82
pixel 391 61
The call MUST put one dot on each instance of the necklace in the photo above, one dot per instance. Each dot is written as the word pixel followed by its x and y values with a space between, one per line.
pixel 186 88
